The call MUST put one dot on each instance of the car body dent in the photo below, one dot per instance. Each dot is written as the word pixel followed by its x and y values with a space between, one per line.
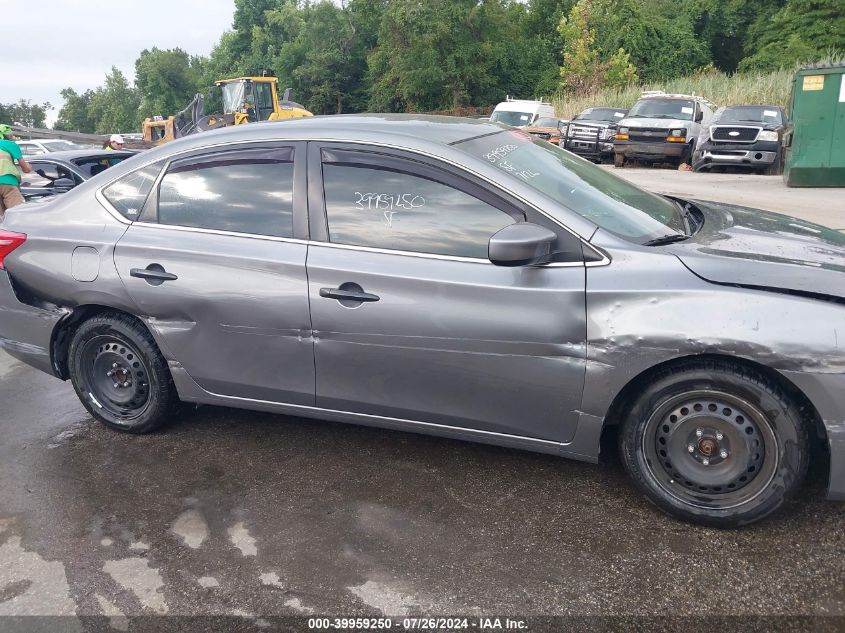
pixel 636 319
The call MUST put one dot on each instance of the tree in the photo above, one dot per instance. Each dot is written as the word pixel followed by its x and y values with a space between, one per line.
pixel 801 31
pixel 25 113
pixel 166 80
pixel 723 25
pixel 658 36
pixel 114 105
pixel 436 54
pixel 585 68
pixel 74 115
pixel 324 61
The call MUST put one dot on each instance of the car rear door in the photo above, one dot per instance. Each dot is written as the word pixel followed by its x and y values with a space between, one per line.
pixel 410 319
pixel 217 267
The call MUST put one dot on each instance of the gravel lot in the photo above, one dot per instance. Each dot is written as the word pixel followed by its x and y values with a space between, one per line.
pixel 822 205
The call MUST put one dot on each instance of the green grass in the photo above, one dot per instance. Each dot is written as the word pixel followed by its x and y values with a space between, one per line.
pixel 741 88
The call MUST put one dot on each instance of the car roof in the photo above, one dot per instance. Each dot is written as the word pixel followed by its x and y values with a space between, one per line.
pixel 408 131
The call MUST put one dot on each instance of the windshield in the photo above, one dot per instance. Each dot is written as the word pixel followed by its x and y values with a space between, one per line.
pixel 746 114
pixel 233 96
pixel 663 109
pixel 547 123
pixel 601 114
pixel 594 193
pixel 517 119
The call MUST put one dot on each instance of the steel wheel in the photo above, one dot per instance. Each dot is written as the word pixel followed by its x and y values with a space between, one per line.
pixel 710 449
pixel 715 442
pixel 119 374
pixel 116 376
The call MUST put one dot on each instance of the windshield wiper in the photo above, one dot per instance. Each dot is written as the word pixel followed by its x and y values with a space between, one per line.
pixel 667 239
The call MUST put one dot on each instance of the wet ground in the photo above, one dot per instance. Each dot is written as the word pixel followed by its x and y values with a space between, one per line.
pixel 232 512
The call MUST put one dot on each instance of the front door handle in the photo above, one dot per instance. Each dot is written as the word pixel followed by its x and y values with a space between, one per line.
pixel 355 294
pixel 154 274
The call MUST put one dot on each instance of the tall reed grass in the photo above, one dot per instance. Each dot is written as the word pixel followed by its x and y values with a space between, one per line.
pixel 741 88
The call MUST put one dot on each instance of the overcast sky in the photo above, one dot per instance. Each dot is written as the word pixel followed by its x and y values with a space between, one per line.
pixel 54 44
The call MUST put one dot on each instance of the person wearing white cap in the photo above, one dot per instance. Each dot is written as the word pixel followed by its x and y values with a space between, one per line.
pixel 115 142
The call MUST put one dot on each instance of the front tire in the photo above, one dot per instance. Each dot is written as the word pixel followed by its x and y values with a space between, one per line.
pixel 715 443
pixel 119 374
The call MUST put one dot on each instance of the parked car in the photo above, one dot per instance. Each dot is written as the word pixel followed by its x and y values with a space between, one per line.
pixel 747 136
pixel 661 128
pixel 59 172
pixel 448 277
pixel 548 128
pixel 45 145
pixel 590 134
pixel 521 112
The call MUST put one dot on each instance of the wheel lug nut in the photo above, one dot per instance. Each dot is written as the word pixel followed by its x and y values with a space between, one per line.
pixel 723 454
pixel 719 436
pixel 116 385
pixel 705 461
pixel 114 365
pixel 126 384
pixel 699 432
pixel 691 448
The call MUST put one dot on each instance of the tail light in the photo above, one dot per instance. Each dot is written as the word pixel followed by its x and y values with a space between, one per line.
pixel 8 242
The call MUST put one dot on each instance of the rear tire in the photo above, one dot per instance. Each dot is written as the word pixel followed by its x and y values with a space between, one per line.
pixel 715 443
pixel 119 374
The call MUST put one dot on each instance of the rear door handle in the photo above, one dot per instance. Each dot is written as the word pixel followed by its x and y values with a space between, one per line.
pixel 154 274
pixel 348 295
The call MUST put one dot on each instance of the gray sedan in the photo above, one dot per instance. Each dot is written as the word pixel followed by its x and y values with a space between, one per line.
pixel 444 276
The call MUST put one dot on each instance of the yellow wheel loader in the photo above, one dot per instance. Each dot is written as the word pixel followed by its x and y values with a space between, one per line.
pixel 245 100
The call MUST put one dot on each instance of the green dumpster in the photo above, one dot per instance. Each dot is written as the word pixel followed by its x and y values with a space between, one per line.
pixel 814 153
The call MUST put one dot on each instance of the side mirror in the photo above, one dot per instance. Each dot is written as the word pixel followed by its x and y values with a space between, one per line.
pixel 699 116
pixel 521 244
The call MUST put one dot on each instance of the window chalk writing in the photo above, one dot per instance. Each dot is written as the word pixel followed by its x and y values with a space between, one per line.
pixel 499 157
pixel 388 203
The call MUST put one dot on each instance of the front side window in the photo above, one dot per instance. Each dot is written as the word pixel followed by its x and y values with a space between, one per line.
pixel 380 208
pixel 128 194
pixel 241 192
pixel 594 193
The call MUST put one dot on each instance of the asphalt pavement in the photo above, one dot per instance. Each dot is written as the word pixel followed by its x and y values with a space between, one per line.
pixel 254 515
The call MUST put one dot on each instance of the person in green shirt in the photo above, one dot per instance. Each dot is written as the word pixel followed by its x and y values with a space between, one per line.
pixel 10 177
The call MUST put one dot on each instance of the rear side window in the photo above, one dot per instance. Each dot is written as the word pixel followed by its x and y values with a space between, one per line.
pixel 128 194
pixel 238 191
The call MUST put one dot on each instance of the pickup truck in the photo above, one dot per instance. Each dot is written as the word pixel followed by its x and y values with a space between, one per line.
pixel 747 136
pixel 590 134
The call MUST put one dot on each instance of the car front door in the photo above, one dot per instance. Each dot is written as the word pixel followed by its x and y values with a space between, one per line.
pixel 216 267
pixel 410 318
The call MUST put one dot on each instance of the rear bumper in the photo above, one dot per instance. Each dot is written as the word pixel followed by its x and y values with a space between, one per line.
pixel 653 151
pixel 827 393
pixel 26 332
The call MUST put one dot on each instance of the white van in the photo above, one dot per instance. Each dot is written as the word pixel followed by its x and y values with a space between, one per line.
pixel 521 112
